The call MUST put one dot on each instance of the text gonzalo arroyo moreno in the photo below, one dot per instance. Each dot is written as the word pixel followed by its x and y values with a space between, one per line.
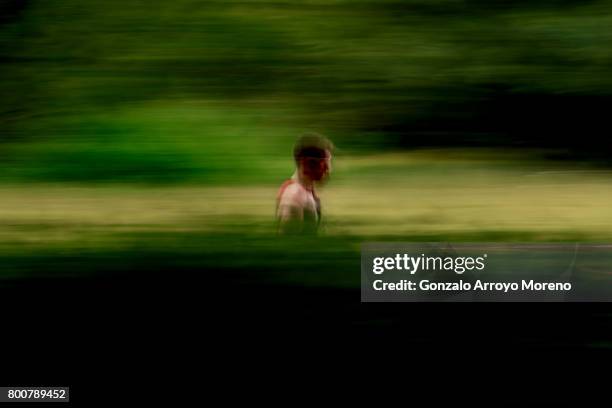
pixel 458 265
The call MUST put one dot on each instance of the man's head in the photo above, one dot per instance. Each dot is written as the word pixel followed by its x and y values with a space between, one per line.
pixel 313 154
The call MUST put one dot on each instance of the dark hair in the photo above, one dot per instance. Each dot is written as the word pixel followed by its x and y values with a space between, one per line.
pixel 312 145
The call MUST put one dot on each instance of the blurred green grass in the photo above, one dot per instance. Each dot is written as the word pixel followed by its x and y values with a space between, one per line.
pixel 84 230
pixel 152 136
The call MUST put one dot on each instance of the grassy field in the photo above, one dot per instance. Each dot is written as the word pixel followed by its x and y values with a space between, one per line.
pixel 77 230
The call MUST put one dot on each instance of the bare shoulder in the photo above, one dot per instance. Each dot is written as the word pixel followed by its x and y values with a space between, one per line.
pixel 294 195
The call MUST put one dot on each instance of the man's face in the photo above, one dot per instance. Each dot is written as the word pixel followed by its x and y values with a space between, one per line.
pixel 318 169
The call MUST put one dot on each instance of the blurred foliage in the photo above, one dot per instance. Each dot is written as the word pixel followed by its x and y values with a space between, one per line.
pixel 207 98
pixel 217 90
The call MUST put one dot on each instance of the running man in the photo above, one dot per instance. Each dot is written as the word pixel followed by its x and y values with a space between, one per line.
pixel 298 208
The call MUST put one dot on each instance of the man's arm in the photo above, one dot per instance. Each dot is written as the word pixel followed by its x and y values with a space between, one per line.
pixel 291 212
pixel 290 219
